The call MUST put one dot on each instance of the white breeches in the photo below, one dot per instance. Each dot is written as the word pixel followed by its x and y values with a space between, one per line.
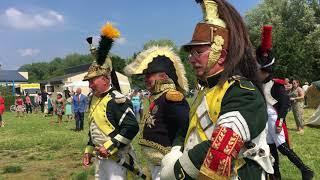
pixel 155 172
pixel 107 169
pixel 272 136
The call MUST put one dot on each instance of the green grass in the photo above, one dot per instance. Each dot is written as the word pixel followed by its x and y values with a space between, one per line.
pixel 12 169
pixel 32 148
pixel 306 146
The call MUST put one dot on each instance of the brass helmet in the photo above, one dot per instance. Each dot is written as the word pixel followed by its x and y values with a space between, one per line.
pixel 264 54
pixel 211 31
pixel 160 59
pixel 102 64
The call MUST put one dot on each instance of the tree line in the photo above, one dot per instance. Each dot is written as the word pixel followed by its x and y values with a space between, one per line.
pixel 296 44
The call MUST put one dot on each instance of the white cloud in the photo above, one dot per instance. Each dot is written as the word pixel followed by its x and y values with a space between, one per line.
pixel 28 52
pixel 18 19
pixel 121 41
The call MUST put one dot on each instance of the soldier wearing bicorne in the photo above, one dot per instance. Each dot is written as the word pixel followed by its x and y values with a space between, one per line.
pixel 112 124
pixel 227 131
pixel 278 104
pixel 166 123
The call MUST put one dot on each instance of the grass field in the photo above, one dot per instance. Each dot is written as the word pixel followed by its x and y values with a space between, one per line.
pixel 32 148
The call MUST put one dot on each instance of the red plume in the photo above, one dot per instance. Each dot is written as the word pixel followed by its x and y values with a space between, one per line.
pixel 266 38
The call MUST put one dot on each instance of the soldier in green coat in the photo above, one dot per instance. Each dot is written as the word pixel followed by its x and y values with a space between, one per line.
pixel 112 124
pixel 226 138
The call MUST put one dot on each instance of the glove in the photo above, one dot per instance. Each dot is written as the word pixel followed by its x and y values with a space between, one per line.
pixel 86 159
pixel 103 152
pixel 167 163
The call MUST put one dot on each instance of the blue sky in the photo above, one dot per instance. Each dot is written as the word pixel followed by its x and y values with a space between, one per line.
pixel 40 30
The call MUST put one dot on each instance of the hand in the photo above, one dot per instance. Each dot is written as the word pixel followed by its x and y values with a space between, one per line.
pixel 278 129
pixel 102 151
pixel 86 159
pixel 292 99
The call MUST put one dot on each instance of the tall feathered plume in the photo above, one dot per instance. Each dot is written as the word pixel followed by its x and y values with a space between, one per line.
pixel 89 40
pixel 266 38
pixel 264 52
pixel 108 36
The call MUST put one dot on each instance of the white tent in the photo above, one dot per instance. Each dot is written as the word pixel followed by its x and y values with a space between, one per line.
pixel 315 118
pixel 124 83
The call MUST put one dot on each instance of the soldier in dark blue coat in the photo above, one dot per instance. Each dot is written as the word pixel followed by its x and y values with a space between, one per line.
pixel 165 124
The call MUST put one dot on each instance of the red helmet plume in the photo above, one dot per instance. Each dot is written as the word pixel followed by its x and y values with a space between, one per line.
pixel 266 38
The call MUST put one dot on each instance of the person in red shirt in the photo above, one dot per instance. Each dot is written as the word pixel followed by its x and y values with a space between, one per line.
pixel 2 108
pixel 19 106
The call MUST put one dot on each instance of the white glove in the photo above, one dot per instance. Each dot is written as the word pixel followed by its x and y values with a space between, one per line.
pixel 167 163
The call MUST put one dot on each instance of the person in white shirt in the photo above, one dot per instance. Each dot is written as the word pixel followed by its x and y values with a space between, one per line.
pixel 305 89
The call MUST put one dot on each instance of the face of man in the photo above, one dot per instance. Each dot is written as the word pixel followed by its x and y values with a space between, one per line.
pixel 199 59
pixel 150 79
pixel 99 85
pixel 78 91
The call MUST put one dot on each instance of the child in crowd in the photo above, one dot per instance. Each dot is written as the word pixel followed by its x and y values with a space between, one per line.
pixel 19 106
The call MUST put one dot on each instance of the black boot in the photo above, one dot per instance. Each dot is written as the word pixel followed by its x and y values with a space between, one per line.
pixel 307 173
pixel 274 153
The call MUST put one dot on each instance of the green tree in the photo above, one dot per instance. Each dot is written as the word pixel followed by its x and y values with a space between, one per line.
pixel 136 81
pixel 192 79
pixel 295 40
pixel 160 42
pixel 118 63
pixel 37 71
pixel 45 70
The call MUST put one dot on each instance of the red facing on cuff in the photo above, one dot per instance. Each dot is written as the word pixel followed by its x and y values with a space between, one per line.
pixel 225 146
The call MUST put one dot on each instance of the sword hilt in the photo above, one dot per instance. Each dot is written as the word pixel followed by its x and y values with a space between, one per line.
pixel 132 169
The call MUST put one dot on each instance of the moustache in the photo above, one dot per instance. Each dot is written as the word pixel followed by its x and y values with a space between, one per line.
pixel 196 65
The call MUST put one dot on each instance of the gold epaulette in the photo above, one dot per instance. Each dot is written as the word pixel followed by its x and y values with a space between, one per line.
pixel 174 95
pixel 244 83
pixel 248 85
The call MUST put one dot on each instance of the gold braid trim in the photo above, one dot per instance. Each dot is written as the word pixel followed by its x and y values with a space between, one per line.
pixel 209 174
pixel 162 149
pixel 161 87
pixel 216 49
pixel 229 149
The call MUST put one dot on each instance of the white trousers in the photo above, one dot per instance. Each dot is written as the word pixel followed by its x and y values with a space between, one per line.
pixel 107 169
pixel 155 172
pixel 272 136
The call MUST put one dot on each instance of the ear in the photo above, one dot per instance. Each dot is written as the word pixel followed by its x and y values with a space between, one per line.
pixel 164 76
pixel 105 79
pixel 222 57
